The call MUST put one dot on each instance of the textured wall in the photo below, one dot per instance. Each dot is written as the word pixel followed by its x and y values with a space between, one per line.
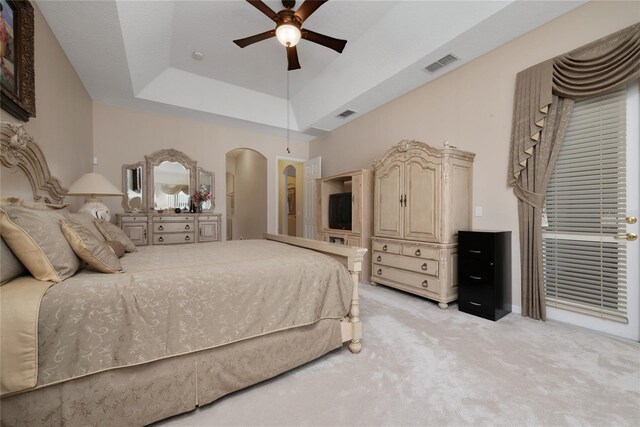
pixel 471 107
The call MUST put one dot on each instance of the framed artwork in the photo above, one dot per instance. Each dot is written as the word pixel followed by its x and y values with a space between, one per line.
pixel 17 75
pixel 291 201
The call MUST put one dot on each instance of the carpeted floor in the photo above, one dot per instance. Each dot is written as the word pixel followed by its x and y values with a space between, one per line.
pixel 420 365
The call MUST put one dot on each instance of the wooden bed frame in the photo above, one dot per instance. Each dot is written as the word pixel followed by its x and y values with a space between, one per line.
pixel 20 152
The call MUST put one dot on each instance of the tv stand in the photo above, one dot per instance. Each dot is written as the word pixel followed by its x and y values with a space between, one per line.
pixel 360 184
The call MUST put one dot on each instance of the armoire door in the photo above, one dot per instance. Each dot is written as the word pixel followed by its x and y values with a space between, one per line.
pixel 422 210
pixel 388 205
pixel 356 203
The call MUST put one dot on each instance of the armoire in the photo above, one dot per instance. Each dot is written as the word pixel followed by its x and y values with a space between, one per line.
pixel 422 197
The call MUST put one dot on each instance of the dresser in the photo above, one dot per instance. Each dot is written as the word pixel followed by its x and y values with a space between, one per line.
pixel 422 196
pixel 484 273
pixel 170 229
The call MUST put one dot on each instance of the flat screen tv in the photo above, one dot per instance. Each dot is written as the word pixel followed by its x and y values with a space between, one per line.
pixel 340 211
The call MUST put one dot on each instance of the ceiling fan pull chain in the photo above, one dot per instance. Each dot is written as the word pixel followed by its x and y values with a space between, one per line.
pixel 288 113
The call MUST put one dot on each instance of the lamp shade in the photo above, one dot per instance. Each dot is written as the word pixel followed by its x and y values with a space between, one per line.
pixel 93 184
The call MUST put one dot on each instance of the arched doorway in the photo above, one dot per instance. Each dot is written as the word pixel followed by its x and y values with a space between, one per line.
pixel 246 194
pixel 291 198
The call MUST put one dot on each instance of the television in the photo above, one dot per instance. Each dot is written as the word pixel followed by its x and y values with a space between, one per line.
pixel 340 211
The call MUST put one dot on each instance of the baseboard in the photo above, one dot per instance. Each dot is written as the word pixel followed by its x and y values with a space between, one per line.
pixel 515 308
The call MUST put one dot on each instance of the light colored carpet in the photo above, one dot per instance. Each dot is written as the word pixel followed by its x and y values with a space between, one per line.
pixel 420 365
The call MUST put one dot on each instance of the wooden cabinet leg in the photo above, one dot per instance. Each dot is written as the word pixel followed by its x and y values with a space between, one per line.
pixel 443 305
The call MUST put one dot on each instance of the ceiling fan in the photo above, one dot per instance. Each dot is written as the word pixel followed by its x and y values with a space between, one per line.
pixel 289 29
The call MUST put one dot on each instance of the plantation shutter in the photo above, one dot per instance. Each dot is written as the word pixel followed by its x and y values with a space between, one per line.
pixel 584 263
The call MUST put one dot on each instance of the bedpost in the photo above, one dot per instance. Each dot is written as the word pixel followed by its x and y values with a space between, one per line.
pixel 354 317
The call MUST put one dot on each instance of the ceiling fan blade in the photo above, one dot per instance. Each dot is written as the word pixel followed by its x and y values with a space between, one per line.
pixel 258 4
pixel 307 8
pixel 335 44
pixel 292 58
pixel 255 38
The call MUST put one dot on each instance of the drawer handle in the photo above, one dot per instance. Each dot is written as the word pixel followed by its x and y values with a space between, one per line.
pixel 475 252
pixel 418 252
pixel 186 227
pixel 425 284
pixel 384 248
pixel 475 277
pixel 379 258
pixel 160 228
pixel 424 266
pixel 187 238
pixel 160 239
pixel 379 271
pixel 474 303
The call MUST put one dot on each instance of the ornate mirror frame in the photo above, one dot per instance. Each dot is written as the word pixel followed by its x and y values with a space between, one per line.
pixel 125 200
pixel 167 155
pixel 213 186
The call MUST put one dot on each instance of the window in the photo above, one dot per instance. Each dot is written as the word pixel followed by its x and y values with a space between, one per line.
pixel 584 263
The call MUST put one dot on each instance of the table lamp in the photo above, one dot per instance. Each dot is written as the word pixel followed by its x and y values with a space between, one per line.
pixel 92 185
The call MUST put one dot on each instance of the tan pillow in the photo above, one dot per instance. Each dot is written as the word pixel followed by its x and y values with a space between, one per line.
pixel 91 250
pixel 116 247
pixel 87 221
pixel 10 266
pixel 35 238
pixel 113 232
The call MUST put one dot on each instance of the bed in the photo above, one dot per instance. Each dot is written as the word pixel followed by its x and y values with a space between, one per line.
pixel 181 327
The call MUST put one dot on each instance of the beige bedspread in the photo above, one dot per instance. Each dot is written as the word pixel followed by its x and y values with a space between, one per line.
pixel 174 300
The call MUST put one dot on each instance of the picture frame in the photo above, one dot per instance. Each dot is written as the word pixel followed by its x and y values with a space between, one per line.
pixel 17 74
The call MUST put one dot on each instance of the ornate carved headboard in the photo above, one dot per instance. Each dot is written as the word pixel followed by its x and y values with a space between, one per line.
pixel 21 156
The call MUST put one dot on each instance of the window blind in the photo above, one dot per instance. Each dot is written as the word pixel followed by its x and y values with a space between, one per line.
pixel 585 205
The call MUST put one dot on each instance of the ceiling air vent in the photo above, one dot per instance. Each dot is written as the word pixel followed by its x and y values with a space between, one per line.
pixel 441 63
pixel 345 114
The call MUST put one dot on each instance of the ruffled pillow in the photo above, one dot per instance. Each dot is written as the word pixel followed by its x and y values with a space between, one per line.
pixel 95 253
pixel 113 232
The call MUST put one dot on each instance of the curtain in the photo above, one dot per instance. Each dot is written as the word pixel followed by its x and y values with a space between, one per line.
pixel 172 190
pixel 543 103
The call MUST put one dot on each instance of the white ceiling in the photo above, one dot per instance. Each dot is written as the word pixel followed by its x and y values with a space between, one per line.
pixel 139 54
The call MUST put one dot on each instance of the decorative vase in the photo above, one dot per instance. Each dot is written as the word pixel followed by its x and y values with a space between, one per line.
pixel 199 207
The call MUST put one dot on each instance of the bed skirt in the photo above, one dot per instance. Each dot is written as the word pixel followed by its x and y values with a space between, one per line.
pixel 143 394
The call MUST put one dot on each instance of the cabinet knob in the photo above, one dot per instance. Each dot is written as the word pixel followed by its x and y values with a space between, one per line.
pixel 186 227
pixel 160 239
pixel 418 252
pixel 160 228
pixel 424 266
pixel 425 284
pixel 379 271
pixel 384 248
pixel 379 258
pixel 187 238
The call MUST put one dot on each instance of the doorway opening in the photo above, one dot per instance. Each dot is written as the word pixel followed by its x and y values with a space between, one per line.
pixel 246 194
pixel 290 197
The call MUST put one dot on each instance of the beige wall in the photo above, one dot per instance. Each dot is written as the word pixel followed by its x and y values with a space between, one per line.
pixel 471 107
pixel 124 135
pixel 63 123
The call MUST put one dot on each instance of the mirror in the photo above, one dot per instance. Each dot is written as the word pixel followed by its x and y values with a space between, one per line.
pixel 206 187
pixel 171 177
pixel 133 187
pixel 171 186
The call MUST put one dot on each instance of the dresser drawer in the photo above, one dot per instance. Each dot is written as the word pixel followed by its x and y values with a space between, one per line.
pixel 170 239
pixel 415 280
pixel 209 218
pixel 476 270
pixel 172 227
pixel 175 218
pixel 419 251
pixel 407 263
pixel 133 219
pixel 382 246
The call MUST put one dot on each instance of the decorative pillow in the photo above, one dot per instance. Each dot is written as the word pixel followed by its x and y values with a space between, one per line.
pixel 35 237
pixel 95 253
pixel 116 247
pixel 10 266
pixel 87 221
pixel 113 232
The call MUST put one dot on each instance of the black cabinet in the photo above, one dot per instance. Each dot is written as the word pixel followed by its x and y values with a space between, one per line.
pixel 484 273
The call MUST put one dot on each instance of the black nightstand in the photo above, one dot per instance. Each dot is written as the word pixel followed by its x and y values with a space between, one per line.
pixel 484 273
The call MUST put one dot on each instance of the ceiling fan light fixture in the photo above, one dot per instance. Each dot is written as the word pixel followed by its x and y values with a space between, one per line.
pixel 288 35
